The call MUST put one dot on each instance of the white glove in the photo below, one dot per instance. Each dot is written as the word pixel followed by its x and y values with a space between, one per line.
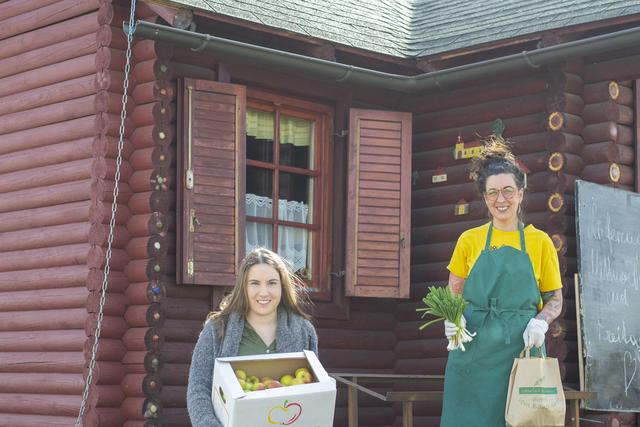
pixel 450 328
pixel 534 332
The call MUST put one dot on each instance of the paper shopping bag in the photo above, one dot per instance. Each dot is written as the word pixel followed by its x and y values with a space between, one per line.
pixel 535 397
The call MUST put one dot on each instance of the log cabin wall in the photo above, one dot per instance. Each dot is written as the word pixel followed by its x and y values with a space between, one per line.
pixel 609 116
pixel 608 133
pixel 568 122
pixel 610 147
pixel 60 85
pixel 564 165
pixel 140 383
pixel 135 316
pixel 363 343
pixel 177 312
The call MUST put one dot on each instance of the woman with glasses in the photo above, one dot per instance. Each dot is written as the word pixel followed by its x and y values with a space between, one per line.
pixel 509 273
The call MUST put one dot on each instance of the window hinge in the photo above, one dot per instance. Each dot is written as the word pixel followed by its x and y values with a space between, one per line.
pixel 190 267
pixel 189 177
pixel 338 274
pixel 343 133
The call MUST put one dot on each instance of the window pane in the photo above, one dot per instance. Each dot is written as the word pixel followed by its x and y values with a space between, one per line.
pixel 296 198
pixel 260 134
pixel 259 192
pixel 296 142
pixel 294 245
pixel 258 235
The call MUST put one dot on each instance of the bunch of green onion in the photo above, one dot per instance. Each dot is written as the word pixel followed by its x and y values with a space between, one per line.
pixel 445 305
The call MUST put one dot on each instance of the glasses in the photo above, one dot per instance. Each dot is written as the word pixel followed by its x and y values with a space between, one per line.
pixel 507 192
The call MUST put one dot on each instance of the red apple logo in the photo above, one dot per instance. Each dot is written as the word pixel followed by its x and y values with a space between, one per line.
pixel 285 414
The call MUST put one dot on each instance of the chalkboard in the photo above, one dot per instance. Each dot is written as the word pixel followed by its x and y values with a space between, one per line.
pixel 608 236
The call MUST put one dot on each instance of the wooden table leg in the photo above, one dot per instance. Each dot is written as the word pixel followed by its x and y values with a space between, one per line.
pixel 575 412
pixel 407 414
pixel 353 405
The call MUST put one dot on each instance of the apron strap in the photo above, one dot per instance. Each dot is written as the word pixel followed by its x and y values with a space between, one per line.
pixel 523 246
pixel 487 243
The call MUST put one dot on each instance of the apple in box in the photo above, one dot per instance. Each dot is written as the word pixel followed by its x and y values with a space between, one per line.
pixel 291 389
pixel 252 383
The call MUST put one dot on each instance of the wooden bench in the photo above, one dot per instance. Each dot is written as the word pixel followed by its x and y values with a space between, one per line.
pixel 354 383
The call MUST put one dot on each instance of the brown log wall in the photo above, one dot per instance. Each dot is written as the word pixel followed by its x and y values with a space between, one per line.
pixel 362 343
pixel 57 160
pixel 131 408
pixel 164 319
pixel 564 164
pixel 150 207
pixel 610 147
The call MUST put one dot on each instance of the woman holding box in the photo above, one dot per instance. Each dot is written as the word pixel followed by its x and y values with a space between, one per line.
pixel 263 314
pixel 510 276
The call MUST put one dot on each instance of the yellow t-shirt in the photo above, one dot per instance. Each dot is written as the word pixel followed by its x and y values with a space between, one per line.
pixel 540 249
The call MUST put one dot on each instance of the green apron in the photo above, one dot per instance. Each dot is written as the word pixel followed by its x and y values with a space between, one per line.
pixel 503 296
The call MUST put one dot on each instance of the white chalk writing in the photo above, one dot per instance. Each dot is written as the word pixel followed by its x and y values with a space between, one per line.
pixel 605 230
pixel 629 367
pixel 601 268
pixel 615 298
pixel 617 336
pixel 609 244
pixel 630 358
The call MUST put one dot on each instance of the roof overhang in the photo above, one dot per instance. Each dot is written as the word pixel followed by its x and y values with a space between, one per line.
pixel 291 63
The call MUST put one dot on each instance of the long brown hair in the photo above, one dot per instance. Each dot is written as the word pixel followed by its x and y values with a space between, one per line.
pixel 294 294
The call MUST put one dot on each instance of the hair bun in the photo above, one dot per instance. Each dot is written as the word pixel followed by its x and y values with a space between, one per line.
pixel 495 149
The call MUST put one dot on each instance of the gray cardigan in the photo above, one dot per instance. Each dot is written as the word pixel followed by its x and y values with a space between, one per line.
pixel 293 334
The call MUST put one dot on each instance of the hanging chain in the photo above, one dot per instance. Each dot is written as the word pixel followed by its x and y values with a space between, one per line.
pixel 112 221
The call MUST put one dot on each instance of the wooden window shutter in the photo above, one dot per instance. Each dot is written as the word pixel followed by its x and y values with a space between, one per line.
pixel 379 211
pixel 211 156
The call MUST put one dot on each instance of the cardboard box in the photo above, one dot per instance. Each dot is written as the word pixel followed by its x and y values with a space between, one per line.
pixel 305 405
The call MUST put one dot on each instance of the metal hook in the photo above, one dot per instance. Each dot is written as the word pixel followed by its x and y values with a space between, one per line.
pixel 204 44
pixel 528 60
pixel 346 75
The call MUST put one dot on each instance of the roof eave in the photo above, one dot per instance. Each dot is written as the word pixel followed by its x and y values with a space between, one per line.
pixel 337 72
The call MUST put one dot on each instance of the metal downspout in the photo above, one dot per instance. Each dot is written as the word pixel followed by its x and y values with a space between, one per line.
pixel 327 70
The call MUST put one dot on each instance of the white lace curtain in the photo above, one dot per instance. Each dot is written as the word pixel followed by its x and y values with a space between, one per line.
pixel 293 241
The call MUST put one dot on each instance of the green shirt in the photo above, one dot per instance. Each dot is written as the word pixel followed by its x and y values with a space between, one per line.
pixel 251 343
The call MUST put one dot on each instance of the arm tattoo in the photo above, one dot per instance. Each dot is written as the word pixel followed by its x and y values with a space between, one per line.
pixel 552 306
pixel 456 284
